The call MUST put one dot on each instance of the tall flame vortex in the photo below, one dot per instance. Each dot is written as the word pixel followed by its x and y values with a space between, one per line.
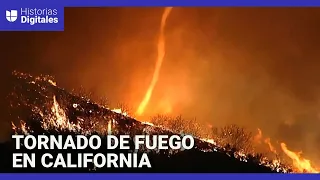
pixel 161 54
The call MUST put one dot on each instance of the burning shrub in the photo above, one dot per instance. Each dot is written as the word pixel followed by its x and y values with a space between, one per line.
pixel 160 120
pixel 234 137
pixel 54 110
pixel 84 93
pixel 178 124
pixel 125 108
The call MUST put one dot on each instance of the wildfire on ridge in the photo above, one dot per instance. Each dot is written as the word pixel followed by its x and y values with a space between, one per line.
pixel 300 164
pixel 57 119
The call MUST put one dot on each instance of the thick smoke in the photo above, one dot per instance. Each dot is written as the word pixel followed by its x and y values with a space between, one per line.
pixel 252 67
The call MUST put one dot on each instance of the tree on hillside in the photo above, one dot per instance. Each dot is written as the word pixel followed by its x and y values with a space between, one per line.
pixel 234 137
pixel 178 124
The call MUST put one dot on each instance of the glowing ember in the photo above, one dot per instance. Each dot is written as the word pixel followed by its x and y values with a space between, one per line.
pixel 52 82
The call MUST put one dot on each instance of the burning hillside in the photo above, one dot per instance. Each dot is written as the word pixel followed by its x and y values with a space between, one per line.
pixel 44 108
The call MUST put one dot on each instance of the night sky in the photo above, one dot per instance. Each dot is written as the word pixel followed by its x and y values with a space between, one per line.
pixel 257 67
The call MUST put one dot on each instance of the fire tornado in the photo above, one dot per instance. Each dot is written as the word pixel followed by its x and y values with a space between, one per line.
pixel 161 54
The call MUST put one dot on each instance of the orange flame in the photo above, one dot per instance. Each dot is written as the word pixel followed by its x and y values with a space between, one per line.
pixel 301 164
pixel 271 147
pixel 58 119
pixel 109 127
pixel 258 137
pixel 161 54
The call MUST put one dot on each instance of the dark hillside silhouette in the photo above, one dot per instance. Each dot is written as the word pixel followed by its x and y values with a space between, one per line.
pixel 33 99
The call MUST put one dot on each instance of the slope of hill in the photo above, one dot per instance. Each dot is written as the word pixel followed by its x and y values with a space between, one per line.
pixel 47 109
